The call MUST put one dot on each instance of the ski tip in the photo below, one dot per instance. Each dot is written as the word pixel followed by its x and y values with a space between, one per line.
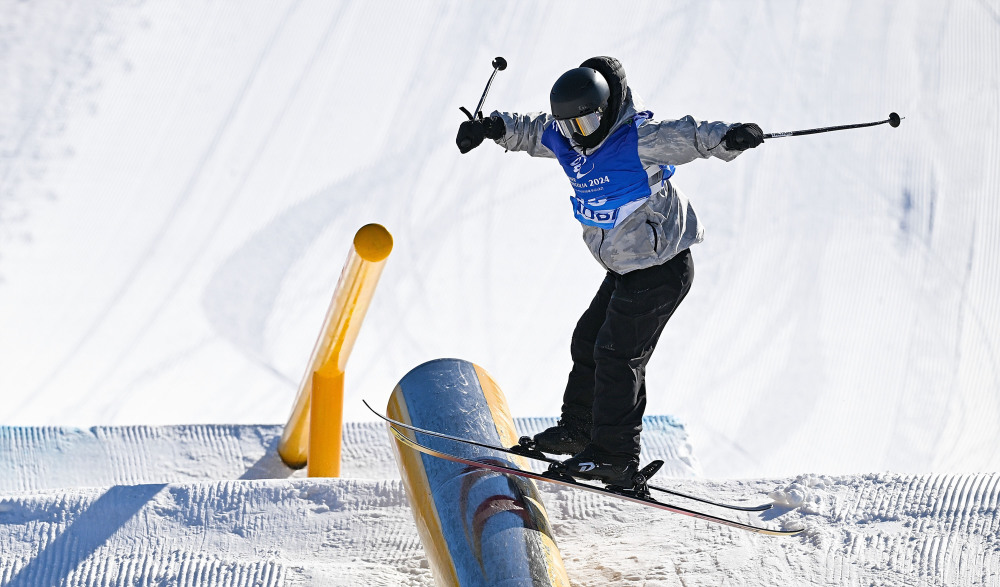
pixel 782 532
pixel 750 508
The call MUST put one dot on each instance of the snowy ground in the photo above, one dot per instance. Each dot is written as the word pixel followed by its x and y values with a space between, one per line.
pixel 197 505
pixel 223 511
pixel 862 531
pixel 179 183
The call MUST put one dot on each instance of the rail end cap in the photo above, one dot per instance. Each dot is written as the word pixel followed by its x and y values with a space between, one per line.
pixel 373 242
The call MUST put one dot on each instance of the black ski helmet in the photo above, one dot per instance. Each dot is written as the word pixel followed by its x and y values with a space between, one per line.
pixel 577 92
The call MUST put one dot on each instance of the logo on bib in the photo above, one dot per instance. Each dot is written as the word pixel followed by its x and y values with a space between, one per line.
pixel 578 164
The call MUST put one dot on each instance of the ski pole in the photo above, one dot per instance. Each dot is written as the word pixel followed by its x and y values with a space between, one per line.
pixel 893 121
pixel 499 64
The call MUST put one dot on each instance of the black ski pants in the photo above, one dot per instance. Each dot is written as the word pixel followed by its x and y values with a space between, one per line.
pixel 611 346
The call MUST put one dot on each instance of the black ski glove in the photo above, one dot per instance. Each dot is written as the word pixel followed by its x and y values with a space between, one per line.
pixel 742 137
pixel 472 132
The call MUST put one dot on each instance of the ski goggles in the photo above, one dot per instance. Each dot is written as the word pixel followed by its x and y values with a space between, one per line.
pixel 581 125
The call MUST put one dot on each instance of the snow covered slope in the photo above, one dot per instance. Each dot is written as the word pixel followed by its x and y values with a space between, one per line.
pixel 179 183
pixel 862 530
pixel 54 457
pixel 213 505
pixel 184 507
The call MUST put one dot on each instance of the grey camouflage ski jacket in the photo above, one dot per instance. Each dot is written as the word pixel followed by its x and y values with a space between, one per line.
pixel 665 224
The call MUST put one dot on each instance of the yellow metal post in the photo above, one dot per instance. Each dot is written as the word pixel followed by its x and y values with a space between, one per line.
pixel 327 410
pixel 310 426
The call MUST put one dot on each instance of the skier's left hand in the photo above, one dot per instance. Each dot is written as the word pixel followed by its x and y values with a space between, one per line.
pixel 742 137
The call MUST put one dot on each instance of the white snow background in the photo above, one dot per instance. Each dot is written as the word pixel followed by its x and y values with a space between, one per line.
pixel 180 183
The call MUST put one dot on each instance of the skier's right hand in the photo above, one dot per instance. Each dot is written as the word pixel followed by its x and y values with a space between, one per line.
pixel 470 135
pixel 472 132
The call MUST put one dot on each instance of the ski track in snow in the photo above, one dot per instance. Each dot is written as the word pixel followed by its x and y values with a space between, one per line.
pixel 179 184
pixel 861 530
pixel 206 169
pixel 53 457
pixel 194 505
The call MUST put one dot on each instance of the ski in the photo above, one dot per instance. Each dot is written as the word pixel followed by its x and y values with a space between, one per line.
pixel 537 455
pixel 567 481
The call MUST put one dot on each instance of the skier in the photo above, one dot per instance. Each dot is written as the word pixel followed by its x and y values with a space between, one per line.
pixel 637 225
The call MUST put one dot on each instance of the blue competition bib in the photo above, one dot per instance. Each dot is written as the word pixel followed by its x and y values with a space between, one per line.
pixel 610 184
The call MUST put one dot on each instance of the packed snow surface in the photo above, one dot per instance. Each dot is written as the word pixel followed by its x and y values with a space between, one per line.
pixel 238 520
pixel 180 183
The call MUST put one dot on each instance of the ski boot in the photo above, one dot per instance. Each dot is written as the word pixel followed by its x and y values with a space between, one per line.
pixel 610 469
pixel 619 473
pixel 568 437
pixel 639 488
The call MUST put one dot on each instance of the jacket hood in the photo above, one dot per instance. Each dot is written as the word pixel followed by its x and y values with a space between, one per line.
pixel 619 103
